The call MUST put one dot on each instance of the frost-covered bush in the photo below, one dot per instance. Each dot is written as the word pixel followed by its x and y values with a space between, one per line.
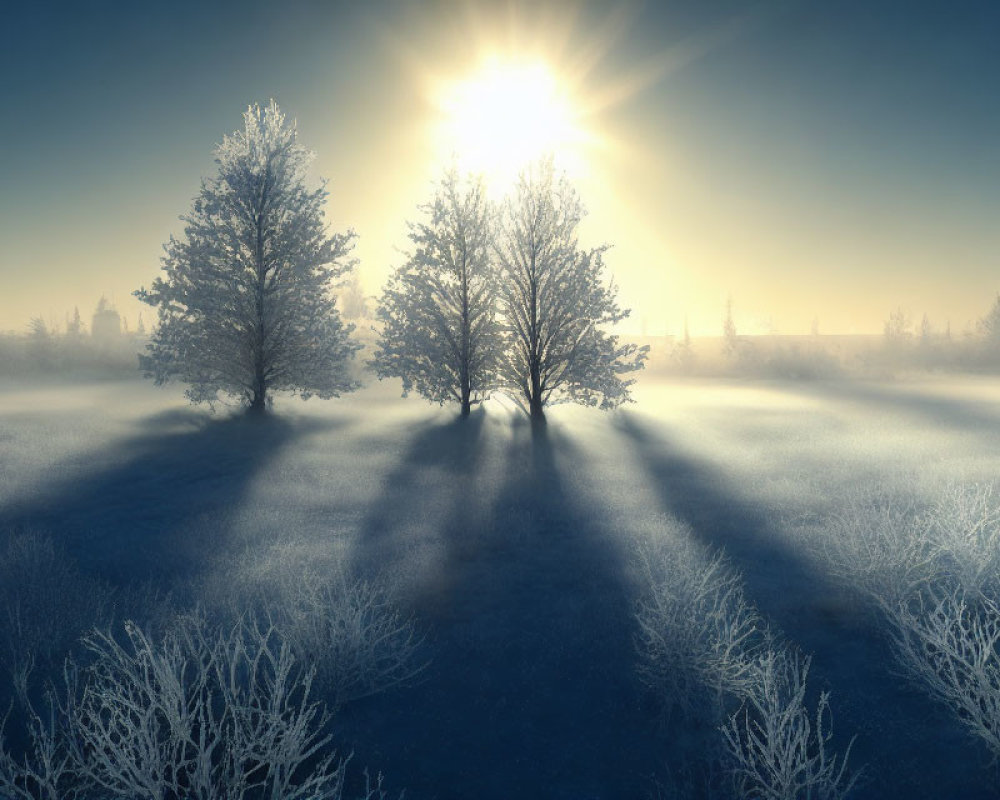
pixel 950 645
pixel 777 749
pixel 891 548
pixel 964 527
pixel 698 634
pixel 47 769
pixel 934 572
pixel 202 713
pixel 351 632
pixel 696 630
pixel 348 628
pixel 46 604
pixel 878 542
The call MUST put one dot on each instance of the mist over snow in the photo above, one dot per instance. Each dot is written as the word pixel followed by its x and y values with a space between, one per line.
pixel 513 553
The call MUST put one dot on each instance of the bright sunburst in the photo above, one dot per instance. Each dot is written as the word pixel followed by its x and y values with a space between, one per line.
pixel 506 115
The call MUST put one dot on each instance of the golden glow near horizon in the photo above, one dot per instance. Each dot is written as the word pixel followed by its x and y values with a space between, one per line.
pixel 706 180
pixel 505 115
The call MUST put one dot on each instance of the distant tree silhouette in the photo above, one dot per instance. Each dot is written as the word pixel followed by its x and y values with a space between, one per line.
pixel 684 352
pixel 74 327
pixel 897 328
pixel 106 324
pixel 926 331
pixel 245 301
pixel 730 341
pixel 989 325
pixel 41 346
pixel 352 302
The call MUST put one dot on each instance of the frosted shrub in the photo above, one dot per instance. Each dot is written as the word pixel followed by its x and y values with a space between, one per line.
pixel 964 525
pixel 777 749
pixel 891 550
pixel 48 768
pixel 45 605
pixel 696 629
pixel 203 713
pixel 950 645
pixel 698 632
pixel 935 575
pixel 879 544
pixel 349 629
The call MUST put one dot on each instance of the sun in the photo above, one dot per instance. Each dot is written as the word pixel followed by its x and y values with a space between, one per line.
pixel 506 115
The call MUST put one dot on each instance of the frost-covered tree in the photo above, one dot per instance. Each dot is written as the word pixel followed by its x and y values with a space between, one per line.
pixel 926 331
pixel 106 324
pixel 74 326
pixel 897 329
pixel 438 311
pixel 555 302
pixel 245 302
pixel 989 325
pixel 684 352
pixel 41 345
pixel 730 339
pixel 352 302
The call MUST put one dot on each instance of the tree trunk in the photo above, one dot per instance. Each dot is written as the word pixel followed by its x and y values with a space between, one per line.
pixel 464 353
pixel 466 398
pixel 535 410
pixel 258 403
pixel 466 391
pixel 534 359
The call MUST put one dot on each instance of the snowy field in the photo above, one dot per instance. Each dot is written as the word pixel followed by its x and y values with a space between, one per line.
pixel 515 554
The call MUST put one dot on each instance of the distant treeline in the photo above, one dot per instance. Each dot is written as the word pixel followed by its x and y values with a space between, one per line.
pixel 108 348
pixel 794 357
pixel 815 357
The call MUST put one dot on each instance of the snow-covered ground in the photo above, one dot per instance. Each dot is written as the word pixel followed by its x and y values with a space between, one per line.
pixel 514 550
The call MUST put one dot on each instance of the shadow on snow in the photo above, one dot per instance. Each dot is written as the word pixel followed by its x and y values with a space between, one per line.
pixel 978 417
pixel 532 689
pixel 912 747
pixel 162 511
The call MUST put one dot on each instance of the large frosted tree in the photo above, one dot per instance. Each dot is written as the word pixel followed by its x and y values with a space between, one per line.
pixel 556 302
pixel 245 301
pixel 437 314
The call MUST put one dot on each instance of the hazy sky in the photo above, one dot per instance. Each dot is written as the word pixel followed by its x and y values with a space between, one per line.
pixel 810 159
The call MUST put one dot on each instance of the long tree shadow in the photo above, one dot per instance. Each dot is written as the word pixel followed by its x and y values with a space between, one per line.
pixel 161 511
pixel 432 482
pixel 946 411
pixel 532 689
pixel 913 748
